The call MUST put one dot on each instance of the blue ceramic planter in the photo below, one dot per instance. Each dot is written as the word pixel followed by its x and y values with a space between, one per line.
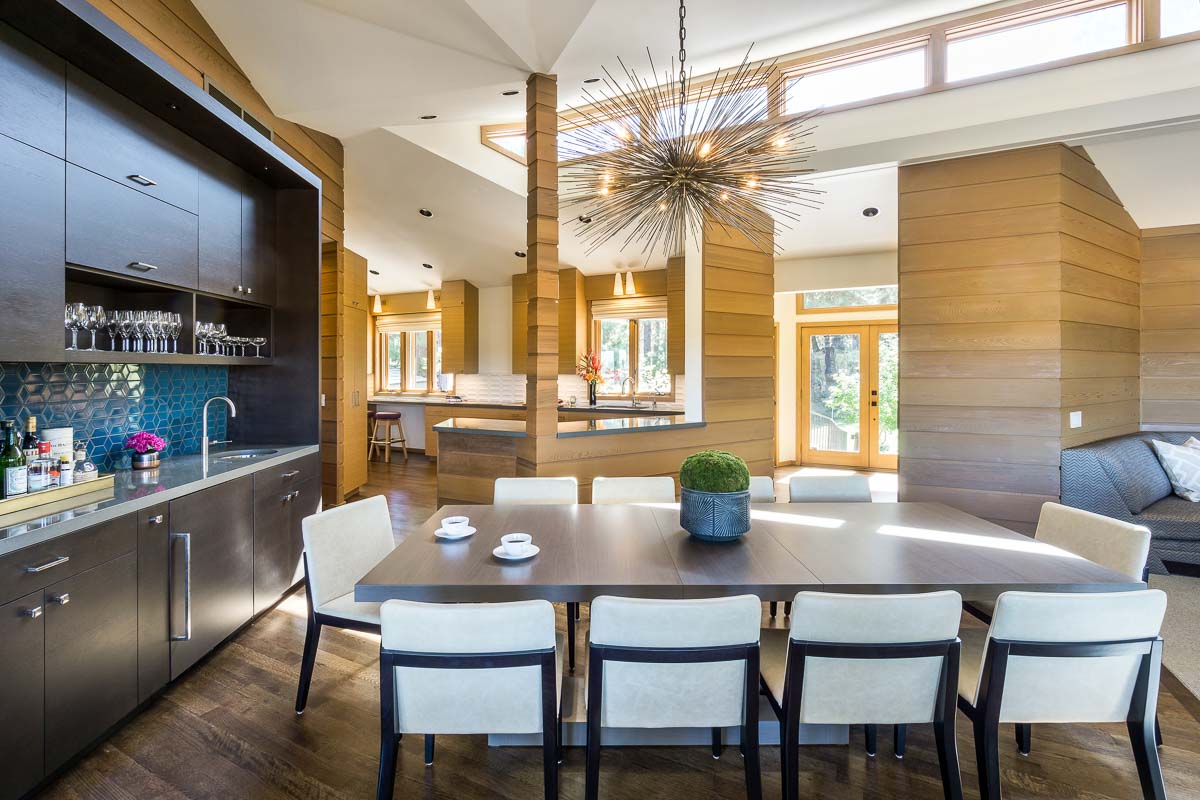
pixel 714 516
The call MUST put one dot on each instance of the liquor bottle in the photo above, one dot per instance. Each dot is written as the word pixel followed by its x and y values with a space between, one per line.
pixel 66 471
pixel 84 470
pixel 38 469
pixel 12 463
pixel 30 444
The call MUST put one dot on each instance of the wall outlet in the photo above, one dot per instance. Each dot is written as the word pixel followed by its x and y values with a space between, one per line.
pixel 1076 419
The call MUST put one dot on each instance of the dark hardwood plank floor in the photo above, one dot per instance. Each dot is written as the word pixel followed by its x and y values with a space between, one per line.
pixel 227 730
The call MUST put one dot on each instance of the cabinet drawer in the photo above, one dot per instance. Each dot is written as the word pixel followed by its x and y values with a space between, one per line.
pixel 116 229
pixel 40 565
pixel 287 477
pixel 115 137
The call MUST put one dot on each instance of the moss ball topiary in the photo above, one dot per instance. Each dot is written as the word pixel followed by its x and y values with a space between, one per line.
pixel 714 471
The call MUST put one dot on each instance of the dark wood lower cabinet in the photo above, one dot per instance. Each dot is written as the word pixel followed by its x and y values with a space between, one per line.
pixel 22 682
pixel 91 656
pixel 278 540
pixel 154 634
pixel 212 569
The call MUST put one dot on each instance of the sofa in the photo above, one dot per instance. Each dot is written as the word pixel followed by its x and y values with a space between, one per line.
pixel 1122 478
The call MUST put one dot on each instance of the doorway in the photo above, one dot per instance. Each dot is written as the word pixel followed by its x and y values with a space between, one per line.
pixel 847 397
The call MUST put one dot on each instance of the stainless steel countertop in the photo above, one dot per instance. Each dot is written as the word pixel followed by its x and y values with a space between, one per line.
pixel 177 476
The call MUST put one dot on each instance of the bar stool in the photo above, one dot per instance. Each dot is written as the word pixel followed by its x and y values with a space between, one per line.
pixel 389 420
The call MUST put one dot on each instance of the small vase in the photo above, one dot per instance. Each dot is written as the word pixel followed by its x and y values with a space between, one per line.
pixel 144 460
pixel 591 394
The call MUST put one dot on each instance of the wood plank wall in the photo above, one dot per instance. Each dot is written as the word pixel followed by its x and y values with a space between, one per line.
pixel 676 314
pixel 460 327
pixel 1170 357
pixel 333 373
pixel 1017 305
pixel 572 319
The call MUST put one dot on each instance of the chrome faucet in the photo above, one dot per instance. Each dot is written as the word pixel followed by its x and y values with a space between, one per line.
pixel 632 381
pixel 204 428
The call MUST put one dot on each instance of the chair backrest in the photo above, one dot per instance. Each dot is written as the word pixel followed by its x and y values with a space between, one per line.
pixel 662 695
pixel 829 489
pixel 872 690
pixel 536 491
pixel 1120 546
pixel 344 543
pixel 633 490
pixel 762 489
pixel 1070 689
pixel 478 700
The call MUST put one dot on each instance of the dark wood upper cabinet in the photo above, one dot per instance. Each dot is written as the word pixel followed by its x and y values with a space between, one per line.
pixel 258 241
pixel 33 93
pixel 91 656
pixel 113 228
pixel 113 136
pixel 31 253
pixel 22 676
pixel 221 227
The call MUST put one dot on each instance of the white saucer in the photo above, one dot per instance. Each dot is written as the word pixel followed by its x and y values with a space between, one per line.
pixel 441 534
pixel 503 556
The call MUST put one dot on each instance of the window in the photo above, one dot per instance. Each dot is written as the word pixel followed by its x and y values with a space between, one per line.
pixel 699 111
pixel 827 299
pixel 630 335
pixel 512 143
pixel 861 80
pixel 408 367
pixel 597 137
pixel 1179 16
pixel 970 54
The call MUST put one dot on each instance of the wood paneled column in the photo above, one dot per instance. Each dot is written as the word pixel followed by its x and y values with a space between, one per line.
pixel 541 149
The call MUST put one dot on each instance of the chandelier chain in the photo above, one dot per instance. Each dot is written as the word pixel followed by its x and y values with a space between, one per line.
pixel 682 71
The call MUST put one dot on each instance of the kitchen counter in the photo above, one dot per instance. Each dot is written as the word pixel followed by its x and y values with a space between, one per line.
pixel 611 407
pixel 177 476
pixel 582 427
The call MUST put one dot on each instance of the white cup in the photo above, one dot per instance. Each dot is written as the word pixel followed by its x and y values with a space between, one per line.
pixel 455 526
pixel 516 544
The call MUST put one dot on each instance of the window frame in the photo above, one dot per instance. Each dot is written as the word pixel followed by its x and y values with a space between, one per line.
pixel 801 308
pixel 381 365
pixel 667 396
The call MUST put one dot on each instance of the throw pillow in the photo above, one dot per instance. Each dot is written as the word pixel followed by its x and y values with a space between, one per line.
pixel 1182 465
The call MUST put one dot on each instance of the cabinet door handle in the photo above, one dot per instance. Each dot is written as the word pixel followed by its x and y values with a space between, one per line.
pixel 32 613
pixel 155 520
pixel 249 290
pixel 290 496
pixel 141 180
pixel 238 289
pixel 61 599
pixel 142 265
pixel 291 474
pixel 186 538
pixel 54 562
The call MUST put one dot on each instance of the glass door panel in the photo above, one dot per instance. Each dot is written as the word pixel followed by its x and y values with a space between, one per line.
pixel 885 396
pixel 833 393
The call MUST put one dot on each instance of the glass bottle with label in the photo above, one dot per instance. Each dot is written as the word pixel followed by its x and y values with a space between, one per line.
pixel 12 463
pixel 30 444
pixel 38 470
pixel 66 471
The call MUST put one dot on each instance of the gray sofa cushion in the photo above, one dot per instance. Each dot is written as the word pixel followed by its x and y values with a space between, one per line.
pixel 1173 518
pixel 1131 464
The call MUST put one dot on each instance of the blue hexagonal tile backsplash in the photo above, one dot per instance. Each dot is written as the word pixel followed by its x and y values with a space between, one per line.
pixel 104 403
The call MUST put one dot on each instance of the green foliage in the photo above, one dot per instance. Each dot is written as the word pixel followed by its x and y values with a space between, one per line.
pixel 714 471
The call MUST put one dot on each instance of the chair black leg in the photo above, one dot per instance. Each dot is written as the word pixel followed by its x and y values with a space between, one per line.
pixel 716 742
pixel 311 639
pixel 1024 733
pixel 429 749
pixel 947 751
pixel 1157 732
pixel 987 760
pixel 595 697
pixel 870 736
pixel 571 638
pixel 387 768
pixel 1145 754
pixel 578 613
pixel 774 609
pixel 789 758
pixel 558 736
pixel 752 766
pixel 551 756
pixel 899 738
pixel 787 608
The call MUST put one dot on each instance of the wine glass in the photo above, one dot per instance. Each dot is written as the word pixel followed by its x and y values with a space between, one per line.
pixel 96 320
pixel 74 317
pixel 176 329
pixel 220 334
pixel 139 329
pixel 258 342
pixel 154 329
pixel 112 326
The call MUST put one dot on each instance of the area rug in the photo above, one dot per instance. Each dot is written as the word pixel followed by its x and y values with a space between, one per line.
pixel 1181 645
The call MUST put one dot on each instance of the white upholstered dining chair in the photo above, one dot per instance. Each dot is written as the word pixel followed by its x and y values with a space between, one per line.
pixel 535 491
pixel 660 489
pixel 866 660
pixel 341 545
pixel 1066 658
pixel 674 664
pixel 762 489
pixel 468 668
pixel 829 489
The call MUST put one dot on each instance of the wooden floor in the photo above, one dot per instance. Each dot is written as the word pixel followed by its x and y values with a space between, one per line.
pixel 227 730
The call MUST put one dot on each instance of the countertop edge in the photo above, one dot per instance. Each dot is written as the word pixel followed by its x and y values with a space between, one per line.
pixel 674 426
pixel 55 530
pixel 642 411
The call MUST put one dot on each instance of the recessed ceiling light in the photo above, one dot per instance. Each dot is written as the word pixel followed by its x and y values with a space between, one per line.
pixel 585 220
pixel 510 92
pixel 267 168
pixel 427 266
pixel 373 271
pixel 429 116
pixel 870 211
pixel 173 106
pixel 519 253
pixel 425 212
pixel 591 80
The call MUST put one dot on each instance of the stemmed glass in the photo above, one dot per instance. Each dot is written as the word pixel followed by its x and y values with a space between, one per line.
pixel 204 331
pixel 220 334
pixel 94 321
pixel 139 331
pixel 175 330
pixel 74 318
pixel 128 328
pixel 258 342
pixel 113 325
pixel 153 330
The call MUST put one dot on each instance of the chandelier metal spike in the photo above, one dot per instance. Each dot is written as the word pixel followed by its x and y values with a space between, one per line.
pixel 654 165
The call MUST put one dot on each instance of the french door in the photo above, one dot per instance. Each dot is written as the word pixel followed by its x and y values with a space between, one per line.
pixel 847 399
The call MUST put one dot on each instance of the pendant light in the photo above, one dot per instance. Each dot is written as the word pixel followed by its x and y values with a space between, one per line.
pixel 629 287
pixel 377 307
pixel 429 302
pixel 617 290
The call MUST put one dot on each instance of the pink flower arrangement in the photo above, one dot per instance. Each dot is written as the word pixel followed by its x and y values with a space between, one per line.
pixel 145 442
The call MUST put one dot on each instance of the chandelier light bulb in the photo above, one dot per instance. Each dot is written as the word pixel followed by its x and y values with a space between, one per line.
pixel 704 150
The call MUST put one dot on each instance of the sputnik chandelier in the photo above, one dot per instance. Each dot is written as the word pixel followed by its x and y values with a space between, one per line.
pixel 652 163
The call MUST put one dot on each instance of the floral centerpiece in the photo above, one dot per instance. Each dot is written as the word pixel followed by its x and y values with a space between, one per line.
pixel 588 368
pixel 145 446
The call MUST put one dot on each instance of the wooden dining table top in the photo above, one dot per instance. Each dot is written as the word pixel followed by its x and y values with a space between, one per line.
pixel 641 551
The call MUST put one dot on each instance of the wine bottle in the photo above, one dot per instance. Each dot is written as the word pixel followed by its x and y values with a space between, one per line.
pixel 30 444
pixel 12 463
